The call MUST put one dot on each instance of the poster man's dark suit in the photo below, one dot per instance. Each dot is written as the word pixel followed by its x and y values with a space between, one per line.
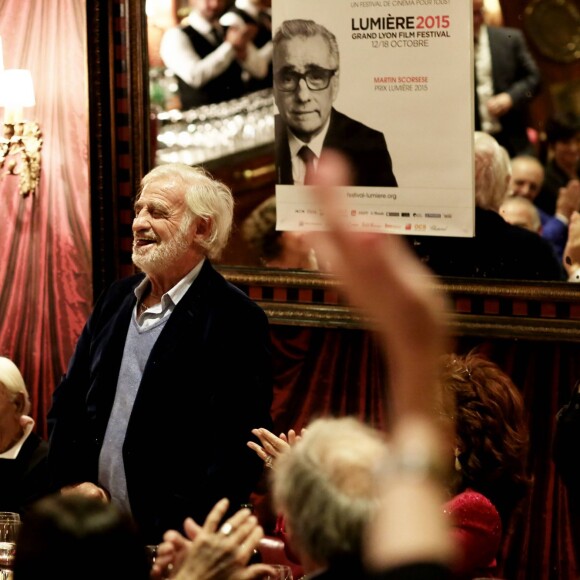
pixel 514 72
pixel 206 384
pixel 365 148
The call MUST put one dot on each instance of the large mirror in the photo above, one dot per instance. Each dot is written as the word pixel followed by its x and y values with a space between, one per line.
pixel 234 138
pixel 534 327
pixel 484 307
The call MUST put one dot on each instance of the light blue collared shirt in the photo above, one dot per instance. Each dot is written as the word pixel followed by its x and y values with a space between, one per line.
pixel 169 300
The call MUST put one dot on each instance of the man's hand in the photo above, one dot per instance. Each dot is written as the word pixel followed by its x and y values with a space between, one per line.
pixel 572 249
pixel 238 37
pixel 273 446
pixel 499 104
pixel 212 552
pixel 88 489
pixel 568 199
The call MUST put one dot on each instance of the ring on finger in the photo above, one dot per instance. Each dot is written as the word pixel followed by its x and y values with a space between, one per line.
pixel 227 529
pixel 268 461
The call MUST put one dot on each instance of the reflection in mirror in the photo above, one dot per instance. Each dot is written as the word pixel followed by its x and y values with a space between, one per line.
pixel 214 131
pixel 274 248
pixel 233 139
pixel 214 50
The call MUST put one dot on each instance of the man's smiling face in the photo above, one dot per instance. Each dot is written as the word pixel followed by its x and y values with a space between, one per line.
pixel 161 228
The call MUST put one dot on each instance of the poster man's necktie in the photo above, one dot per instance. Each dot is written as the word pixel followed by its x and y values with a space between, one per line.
pixel 308 156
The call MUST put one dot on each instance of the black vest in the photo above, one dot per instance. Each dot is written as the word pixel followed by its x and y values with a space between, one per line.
pixel 224 87
pixel 263 35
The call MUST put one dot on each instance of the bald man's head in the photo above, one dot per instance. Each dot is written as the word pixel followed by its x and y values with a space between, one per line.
pixel 527 177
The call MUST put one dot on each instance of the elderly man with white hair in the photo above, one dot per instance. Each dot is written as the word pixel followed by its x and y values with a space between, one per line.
pixel 23 466
pixel 167 357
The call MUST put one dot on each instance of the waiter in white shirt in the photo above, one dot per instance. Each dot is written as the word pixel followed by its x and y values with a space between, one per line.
pixel 208 61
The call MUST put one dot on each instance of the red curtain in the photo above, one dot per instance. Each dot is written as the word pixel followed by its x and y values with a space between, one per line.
pixel 45 255
pixel 45 297
pixel 340 372
pixel 321 372
pixel 541 542
pixel 325 372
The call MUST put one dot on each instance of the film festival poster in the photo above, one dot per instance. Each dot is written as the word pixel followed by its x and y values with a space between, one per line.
pixel 405 70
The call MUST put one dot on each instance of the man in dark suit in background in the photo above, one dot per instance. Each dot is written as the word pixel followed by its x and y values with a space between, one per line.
pixel 506 80
pixel 171 372
pixel 306 74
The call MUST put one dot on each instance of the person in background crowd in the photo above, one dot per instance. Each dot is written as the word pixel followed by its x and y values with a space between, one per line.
pixel 71 537
pixel 486 412
pixel 526 181
pixel 498 250
pixel 506 80
pixel 166 357
pixel 208 61
pixel 274 248
pixel 323 487
pixel 325 491
pixel 521 212
pixel 306 79
pixel 491 448
pixel 563 165
pixel 23 453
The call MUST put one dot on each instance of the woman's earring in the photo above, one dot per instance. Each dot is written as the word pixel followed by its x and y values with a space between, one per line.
pixel 457 462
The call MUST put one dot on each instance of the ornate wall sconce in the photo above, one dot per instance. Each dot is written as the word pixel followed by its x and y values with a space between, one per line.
pixel 21 140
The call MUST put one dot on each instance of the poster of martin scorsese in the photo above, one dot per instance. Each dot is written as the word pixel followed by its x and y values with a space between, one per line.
pixel 389 84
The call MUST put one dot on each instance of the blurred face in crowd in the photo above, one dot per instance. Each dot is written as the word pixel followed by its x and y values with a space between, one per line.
pixel 567 153
pixel 305 110
pixel 210 9
pixel 520 215
pixel 527 178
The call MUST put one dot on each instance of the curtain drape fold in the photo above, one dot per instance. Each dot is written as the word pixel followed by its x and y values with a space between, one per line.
pixel 45 255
